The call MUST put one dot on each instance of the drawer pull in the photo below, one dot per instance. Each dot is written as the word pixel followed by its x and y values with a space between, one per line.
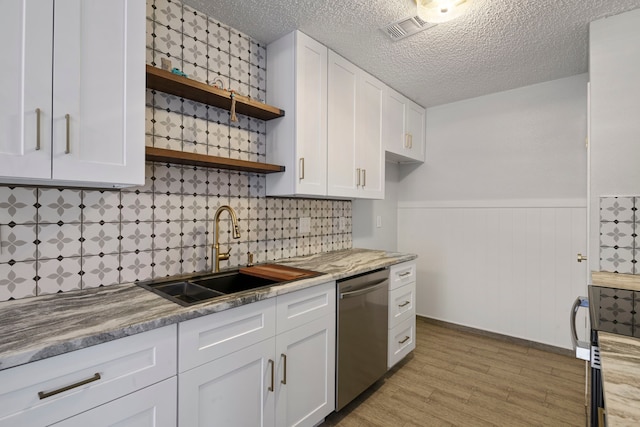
pixel 44 395
pixel 272 363
pixel 404 340
pixel 405 274
pixel 404 304
pixel 284 377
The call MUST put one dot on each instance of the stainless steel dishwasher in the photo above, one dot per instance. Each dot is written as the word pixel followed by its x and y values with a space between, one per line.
pixel 361 333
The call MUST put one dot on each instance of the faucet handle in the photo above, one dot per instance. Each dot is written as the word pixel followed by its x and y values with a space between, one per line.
pixel 223 256
pixel 249 259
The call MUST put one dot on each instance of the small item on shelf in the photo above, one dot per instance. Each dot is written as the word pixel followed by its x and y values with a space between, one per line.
pixel 234 118
pixel 178 71
pixel 218 83
pixel 166 64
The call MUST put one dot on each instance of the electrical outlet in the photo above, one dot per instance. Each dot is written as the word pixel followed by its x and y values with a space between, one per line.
pixel 304 225
pixel 342 224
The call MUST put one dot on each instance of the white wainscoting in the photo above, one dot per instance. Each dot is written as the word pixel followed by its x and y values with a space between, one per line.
pixel 502 266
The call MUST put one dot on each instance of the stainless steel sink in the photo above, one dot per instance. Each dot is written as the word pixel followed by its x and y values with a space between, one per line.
pixel 195 289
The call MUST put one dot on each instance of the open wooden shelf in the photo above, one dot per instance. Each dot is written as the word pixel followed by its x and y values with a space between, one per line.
pixel 184 87
pixel 172 156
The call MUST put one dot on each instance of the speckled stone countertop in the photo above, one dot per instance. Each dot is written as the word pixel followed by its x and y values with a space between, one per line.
pixel 620 358
pixel 41 327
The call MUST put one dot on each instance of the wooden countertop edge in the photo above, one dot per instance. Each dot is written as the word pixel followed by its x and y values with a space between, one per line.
pixel 615 280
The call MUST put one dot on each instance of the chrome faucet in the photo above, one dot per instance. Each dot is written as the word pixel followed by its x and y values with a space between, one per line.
pixel 236 235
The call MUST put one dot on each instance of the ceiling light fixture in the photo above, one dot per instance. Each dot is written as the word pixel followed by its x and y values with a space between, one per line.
pixel 438 11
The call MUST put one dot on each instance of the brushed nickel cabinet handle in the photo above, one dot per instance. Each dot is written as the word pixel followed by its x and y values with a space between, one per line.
pixel 581 258
pixel 44 395
pixel 406 140
pixel 68 147
pixel 301 167
pixel 404 340
pixel 364 177
pixel 272 363
pixel 404 304
pixel 284 376
pixel 405 274
pixel 410 140
pixel 358 180
pixel 37 129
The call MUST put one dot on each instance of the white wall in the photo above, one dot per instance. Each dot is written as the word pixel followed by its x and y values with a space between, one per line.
pixel 498 211
pixel 614 66
pixel 364 212
pixel 522 143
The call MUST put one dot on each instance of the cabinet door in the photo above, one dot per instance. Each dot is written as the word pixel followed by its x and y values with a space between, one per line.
pixel 26 27
pixel 98 91
pixel 343 171
pixel 416 131
pixel 305 384
pixel 154 406
pixel 299 139
pixel 56 388
pixel 311 116
pixel 370 146
pixel 394 121
pixel 230 391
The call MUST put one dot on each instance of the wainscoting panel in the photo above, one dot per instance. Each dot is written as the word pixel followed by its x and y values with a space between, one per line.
pixel 508 268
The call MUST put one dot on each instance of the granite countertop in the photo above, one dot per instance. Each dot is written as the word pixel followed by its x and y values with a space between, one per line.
pixel 620 359
pixel 41 327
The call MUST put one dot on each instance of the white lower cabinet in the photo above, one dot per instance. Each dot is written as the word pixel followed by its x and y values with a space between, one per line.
pixel 54 389
pixel 285 379
pixel 154 406
pixel 305 385
pixel 230 391
pixel 402 312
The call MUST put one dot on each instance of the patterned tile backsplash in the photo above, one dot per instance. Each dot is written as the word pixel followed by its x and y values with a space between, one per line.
pixel 619 242
pixel 61 239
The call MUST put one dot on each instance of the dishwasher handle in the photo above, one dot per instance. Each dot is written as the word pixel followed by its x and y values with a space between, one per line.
pixel 370 288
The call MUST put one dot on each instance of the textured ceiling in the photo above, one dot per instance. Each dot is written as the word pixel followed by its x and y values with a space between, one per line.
pixel 498 45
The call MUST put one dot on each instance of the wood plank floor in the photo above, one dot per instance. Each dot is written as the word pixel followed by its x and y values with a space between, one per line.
pixel 456 378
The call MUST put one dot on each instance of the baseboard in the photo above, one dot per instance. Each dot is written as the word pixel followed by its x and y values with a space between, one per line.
pixel 501 337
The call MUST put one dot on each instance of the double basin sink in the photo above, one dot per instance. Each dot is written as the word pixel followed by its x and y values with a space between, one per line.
pixel 194 289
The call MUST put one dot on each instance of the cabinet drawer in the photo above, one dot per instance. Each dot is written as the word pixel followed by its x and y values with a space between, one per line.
pixel 402 340
pixel 117 368
pixel 300 307
pixel 153 406
pixel 402 304
pixel 402 274
pixel 210 337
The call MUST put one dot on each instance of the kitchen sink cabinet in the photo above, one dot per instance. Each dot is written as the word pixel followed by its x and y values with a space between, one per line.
pixel 298 66
pixel 355 151
pixel 403 128
pixel 402 312
pixel 230 391
pixel 256 377
pixel 72 110
pixel 61 387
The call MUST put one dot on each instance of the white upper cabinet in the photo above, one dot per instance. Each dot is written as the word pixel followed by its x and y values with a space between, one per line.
pixel 297 65
pixel 355 152
pixel 342 180
pixel 370 142
pixel 87 127
pixel 25 85
pixel 403 128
